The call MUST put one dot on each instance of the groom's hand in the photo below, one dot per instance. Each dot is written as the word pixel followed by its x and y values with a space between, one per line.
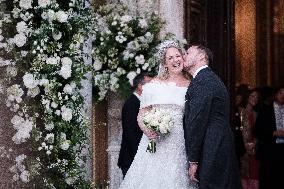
pixel 192 171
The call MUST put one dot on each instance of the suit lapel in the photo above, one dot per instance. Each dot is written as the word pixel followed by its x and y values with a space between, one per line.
pixel 197 79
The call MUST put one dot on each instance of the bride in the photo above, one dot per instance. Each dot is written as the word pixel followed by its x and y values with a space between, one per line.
pixel 167 167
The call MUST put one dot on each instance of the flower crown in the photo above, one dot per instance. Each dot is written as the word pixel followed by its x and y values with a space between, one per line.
pixel 164 46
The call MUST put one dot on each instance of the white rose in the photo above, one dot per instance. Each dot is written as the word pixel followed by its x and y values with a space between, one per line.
pixel 25 4
pixel 68 89
pixel 131 75
pixel 66 113
pixel 163 128
pixel 43 3
pixel 21 27
pixel 97 65
pixel 61 16
pixel 30 81
pixel 54 105
pixel 56 35
pixel 20 39
pixel 65 70
pixel 51 15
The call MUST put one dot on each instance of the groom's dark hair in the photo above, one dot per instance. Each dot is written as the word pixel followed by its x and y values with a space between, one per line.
pixel 206 51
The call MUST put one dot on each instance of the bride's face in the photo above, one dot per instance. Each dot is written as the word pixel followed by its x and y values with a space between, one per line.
pixel 174 61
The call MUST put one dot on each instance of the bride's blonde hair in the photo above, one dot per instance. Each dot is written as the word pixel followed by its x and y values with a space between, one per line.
pixel 163 73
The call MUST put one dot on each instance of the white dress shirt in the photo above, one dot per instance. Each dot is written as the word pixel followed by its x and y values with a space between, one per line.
pixel 198 70
pixel 137 95
pixel 279 118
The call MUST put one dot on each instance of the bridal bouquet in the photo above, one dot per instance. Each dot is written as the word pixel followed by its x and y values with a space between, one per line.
pixel 159 121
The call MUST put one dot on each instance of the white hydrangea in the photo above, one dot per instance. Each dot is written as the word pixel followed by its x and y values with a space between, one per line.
pixel 22 27
pixel 30 81
pixel 20 39
pixel 131 75
pixel 66 113
pixel 66 70
pixel 61 16
pixel 25 4
pixel 43 3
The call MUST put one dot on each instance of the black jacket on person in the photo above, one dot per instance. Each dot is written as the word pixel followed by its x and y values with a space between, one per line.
pixel 208 136
pixel 269 153
pixel 131 133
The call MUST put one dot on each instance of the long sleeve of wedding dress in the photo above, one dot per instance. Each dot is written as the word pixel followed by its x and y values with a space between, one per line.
pixel 167 167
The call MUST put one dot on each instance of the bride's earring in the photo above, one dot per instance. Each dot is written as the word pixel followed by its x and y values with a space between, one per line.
pixel 166 74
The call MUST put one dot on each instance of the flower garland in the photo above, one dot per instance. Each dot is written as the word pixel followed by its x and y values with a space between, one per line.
pixel 41 44
pixel 123 46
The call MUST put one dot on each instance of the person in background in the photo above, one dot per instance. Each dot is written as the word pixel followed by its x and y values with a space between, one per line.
pixel 249 163
pixel 236 123
pixel 269 130
pixel 131 133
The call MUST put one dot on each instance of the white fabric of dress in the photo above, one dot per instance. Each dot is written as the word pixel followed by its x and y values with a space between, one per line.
pixel 167 168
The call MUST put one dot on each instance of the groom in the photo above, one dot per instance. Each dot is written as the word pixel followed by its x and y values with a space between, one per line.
pixel 208 138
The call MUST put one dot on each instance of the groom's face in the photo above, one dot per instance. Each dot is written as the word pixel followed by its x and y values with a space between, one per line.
pixel 191 57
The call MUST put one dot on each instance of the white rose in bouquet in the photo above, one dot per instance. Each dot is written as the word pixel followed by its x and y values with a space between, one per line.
pixel 159 121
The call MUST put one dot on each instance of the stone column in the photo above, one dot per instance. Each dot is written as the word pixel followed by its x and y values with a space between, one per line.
pixel 172 11
pixel 114 138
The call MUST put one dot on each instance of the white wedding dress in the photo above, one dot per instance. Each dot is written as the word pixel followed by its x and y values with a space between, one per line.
pixel 167 168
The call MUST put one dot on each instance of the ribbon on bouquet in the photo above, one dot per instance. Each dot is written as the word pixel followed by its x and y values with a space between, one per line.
pixel 151 146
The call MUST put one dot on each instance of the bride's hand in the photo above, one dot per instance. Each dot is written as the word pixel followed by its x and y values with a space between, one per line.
pixel 150 134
